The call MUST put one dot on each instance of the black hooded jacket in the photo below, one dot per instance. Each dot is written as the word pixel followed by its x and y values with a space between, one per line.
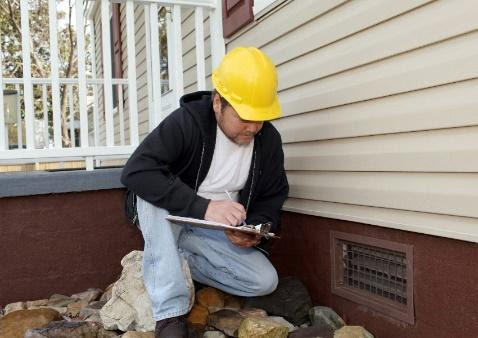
pixel 170 164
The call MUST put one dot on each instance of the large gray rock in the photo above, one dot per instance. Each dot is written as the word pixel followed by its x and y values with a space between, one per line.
pixel 66 328
pixel 325 318
pixel 129 308
pixel 290 300
pixel 255 327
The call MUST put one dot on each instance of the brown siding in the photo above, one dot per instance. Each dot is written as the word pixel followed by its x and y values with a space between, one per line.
pixel 63 243
pixel 444 269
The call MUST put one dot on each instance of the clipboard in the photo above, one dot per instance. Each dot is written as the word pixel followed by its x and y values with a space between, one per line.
pixel 201 223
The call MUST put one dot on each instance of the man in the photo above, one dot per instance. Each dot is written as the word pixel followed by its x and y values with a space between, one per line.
pixel 215 145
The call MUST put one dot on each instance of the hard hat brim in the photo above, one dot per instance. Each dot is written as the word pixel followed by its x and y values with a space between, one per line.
pixel 249 113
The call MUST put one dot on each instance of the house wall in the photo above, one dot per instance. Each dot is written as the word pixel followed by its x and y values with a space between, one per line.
pixel 445 289
pixel 62 243
pixel 379 101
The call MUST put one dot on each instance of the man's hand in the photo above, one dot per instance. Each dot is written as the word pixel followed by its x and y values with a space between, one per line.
pixel 225 211
pixel 242 239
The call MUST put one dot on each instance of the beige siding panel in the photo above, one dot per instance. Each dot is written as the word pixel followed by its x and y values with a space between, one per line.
pixel 447 106
pixel 344 21
pixel 292 15
pixel 410 31
pixel 441 193
pixel 450 61
pixel 445 150
pixel 462 228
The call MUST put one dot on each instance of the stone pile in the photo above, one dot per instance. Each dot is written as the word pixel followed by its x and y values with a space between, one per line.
pixel 124 310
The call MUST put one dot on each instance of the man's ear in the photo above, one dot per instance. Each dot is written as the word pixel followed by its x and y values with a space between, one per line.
pixel 216 103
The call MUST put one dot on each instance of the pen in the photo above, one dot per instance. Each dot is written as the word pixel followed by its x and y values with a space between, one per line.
pixel 229 195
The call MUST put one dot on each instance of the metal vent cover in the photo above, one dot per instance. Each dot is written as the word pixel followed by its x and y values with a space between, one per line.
pixel 374 272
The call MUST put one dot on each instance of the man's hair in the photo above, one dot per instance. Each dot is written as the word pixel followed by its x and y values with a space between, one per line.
pixel 224 102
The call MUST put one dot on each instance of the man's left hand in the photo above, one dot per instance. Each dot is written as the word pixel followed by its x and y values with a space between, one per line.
pixel 242 239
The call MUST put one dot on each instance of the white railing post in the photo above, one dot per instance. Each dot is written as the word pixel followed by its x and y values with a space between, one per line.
pixel 108 90
pixel 95 86
pixel 200 61
pixel 132 98
pixel 80 44
pixel 72 115
pixel 3 127
pixel 218 46
pixel 46 134
pixel 121 113
pixel 27 75
pixel 178 53
pixel 19 120
pixel 155 63
pixel 55 81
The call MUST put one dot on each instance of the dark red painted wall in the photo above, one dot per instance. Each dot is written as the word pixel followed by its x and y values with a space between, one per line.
pixel 445 271
pixel 62 243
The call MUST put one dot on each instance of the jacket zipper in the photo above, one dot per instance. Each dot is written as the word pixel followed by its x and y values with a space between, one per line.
pixel 252 181
pixel 200 165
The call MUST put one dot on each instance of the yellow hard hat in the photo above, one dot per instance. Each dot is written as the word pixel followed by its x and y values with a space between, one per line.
pixel 247 79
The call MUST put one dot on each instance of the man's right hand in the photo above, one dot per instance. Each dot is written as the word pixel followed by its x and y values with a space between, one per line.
pixel 225 211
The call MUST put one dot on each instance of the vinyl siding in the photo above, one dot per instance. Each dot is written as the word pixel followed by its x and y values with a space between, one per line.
pixel 379 101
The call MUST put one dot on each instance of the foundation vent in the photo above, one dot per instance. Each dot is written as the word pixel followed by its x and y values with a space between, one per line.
pixel 375 273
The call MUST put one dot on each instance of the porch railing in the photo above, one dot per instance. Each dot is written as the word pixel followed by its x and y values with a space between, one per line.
pixel 41 145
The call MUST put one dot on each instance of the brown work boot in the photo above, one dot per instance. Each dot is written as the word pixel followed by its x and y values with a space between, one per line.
pixel 174 327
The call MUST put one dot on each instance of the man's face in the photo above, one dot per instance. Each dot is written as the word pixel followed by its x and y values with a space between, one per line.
pixel 236 129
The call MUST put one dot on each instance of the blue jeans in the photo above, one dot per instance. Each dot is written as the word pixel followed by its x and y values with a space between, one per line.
pixel 213 260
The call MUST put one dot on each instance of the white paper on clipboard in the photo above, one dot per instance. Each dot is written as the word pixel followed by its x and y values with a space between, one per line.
pixel 201 223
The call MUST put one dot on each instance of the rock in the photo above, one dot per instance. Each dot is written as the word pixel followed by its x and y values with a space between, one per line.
pixel 94 318
pixel 88 295
pixel 15 324
pixel 326 318
pixel 290 300
pixel 73 309
pixel 65 328
pixel 254 327
pixel 284 322
pixel 214 334
pixel 210 298
pixel 232 302
pixel 352 332
pixel 195 330
pixel 34 304
pixel 15 307
pixel 60 309
pixel 227 321
pixel 92 309
pixel 60 300
pixel 129 308
pixel 138 334
pixel 198 315
pixel 312 331
pixel 106 296
pixel 253 312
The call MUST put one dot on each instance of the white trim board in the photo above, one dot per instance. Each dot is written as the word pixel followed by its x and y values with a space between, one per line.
pixel 461 228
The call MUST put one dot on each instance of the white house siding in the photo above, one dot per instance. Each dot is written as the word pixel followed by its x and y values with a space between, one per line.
pixel 380 118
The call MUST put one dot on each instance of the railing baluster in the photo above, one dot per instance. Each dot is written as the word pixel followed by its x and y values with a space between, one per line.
pixel 155 65
pixel 27 75
pixel 80 38
pixel 95 87
pixel 46 135
pixel 55 81
pixel 108 90
pixel 132 98
pixel 218 47
pixel 72 115
pixel 200 61
pixel 178 52
pixel 19 119
pixel 3 126
pixel 121 113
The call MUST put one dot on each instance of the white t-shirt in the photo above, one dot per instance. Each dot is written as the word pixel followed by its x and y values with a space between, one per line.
pixel 229 169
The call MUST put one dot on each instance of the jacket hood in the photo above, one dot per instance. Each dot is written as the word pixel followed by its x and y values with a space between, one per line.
pixel 199 106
